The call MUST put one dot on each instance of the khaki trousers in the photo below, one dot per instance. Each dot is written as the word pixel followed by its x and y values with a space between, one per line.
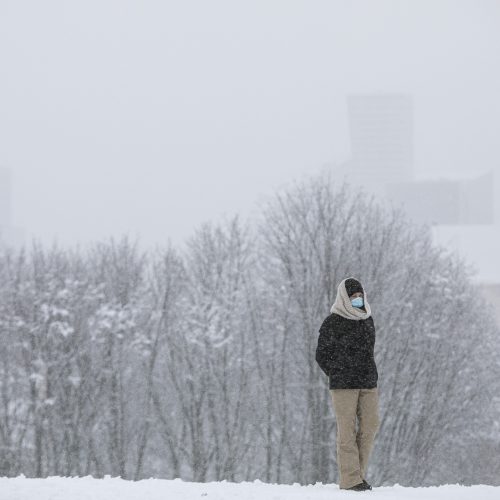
pixel 354 447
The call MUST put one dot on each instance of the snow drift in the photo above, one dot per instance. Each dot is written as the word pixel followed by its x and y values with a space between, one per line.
pixel 111 488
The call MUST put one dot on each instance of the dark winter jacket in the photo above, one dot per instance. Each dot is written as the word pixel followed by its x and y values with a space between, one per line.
pixel 345 352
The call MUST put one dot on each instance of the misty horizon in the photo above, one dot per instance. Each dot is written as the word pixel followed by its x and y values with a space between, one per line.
pixel 149 120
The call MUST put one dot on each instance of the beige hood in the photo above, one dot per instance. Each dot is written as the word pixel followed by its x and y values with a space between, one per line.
pixel 343 306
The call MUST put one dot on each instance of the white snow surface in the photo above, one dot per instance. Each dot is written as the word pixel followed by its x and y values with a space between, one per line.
pixel 113 488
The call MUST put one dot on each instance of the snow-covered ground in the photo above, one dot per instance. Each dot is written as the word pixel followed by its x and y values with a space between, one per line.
pixel 88 488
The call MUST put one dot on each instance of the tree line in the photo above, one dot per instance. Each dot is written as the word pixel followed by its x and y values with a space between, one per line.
pixel 199 362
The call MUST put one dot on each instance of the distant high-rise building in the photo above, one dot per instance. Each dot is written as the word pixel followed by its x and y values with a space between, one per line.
pixel 464 213
pixel 447 201
pixel 381 131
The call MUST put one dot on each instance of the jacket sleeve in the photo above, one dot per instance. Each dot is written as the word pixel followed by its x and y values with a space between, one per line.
pixel 324 350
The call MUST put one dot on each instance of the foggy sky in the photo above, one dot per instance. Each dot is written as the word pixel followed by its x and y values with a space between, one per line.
pixel 149 117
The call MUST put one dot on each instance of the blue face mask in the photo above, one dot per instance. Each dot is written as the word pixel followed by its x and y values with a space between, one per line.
pixel 357 302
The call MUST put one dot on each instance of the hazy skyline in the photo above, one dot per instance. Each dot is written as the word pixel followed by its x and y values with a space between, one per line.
pixel 151 117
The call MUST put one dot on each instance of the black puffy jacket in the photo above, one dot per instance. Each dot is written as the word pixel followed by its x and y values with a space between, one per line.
pixel 345 352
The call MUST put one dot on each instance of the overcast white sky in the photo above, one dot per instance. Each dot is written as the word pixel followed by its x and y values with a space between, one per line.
pixel 149 117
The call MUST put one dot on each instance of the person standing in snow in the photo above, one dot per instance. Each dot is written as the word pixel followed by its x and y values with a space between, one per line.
pixel 345 353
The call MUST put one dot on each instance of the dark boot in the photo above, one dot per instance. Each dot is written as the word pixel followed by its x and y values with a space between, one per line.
pixel 359 487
